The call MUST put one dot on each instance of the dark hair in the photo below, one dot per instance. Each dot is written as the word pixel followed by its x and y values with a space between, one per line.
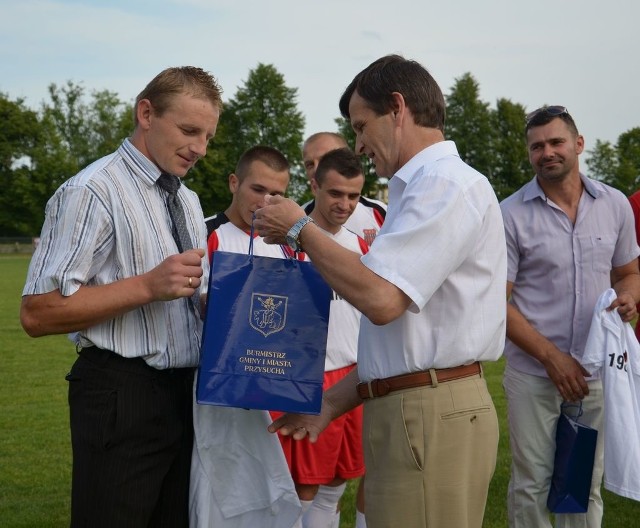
pixel 270 156
pixel 541 117
pixel 393 73
pixel 179 80
pixel 342 160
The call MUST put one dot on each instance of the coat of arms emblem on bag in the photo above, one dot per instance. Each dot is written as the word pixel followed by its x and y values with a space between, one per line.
pixel 268 313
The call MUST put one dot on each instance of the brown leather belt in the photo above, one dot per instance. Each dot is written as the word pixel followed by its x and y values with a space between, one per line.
pixel 381 387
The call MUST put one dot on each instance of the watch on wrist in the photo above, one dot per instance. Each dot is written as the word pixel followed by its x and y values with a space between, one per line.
pixel 293 235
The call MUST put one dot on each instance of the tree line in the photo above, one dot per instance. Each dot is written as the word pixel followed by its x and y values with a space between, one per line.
pixel 40 149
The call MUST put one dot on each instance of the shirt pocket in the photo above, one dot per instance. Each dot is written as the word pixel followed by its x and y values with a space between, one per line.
pixel 598 250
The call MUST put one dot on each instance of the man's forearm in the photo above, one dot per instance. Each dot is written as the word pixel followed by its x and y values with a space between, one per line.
pixel 629 284
pixel 379 300
pixel 53 313
pixel 526 337
pixel 343 396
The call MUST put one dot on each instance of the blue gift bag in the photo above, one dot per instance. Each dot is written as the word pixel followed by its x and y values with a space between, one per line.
pixel 573 464
pixel 265 334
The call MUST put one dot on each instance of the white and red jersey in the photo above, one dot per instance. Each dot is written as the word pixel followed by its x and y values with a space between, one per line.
pixel 366 219
pixel 224 236
pixel 344 319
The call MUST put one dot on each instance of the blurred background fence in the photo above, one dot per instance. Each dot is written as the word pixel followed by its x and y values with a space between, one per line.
pixel 18 244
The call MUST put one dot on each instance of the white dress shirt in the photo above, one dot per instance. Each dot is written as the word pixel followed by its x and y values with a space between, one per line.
pixel 442 243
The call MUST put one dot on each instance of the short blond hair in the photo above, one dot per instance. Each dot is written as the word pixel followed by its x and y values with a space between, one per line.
pixel 179 80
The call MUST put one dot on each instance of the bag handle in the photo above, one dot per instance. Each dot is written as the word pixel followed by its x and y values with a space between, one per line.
pixel 287 254
pixel 253 217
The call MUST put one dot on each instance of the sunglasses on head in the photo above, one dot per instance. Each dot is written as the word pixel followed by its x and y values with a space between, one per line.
pixel 552 111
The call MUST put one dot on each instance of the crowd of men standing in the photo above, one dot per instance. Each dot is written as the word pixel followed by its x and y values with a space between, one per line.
pixel 440 280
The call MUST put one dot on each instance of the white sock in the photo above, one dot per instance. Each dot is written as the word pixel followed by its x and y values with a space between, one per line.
pixel 324 508
pixel 305 506
pixel 360 522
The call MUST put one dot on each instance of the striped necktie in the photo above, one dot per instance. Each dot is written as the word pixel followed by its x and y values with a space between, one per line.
pixel 171 184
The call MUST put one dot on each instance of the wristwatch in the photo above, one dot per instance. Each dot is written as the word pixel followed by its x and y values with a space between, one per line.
pixel 294 233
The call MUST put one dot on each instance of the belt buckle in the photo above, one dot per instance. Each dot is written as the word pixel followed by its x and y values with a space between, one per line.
pixel 381 387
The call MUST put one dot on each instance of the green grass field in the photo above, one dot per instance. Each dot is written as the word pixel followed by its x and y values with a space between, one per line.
pixel 35 453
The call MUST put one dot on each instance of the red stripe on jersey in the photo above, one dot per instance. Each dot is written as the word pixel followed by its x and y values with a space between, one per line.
pixel 364 247
pixel 212 244
pixel 290 253
pixel 378 216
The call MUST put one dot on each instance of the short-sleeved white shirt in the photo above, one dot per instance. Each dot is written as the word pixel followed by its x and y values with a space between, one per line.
pixel 442 243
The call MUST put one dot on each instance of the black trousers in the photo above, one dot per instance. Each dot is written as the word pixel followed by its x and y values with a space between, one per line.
pixel 132 436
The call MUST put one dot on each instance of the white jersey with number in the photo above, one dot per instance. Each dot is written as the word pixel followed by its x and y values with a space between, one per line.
pixel 613 349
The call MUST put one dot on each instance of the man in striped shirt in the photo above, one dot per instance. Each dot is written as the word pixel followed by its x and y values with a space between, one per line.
pixel 109 272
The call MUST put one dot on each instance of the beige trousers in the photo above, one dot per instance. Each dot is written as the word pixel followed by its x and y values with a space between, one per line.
pixel 430 454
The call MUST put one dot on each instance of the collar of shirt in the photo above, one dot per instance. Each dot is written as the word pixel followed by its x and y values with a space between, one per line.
pixel 413 168
pixel 534 190
pixel 147 171
pixel 426 157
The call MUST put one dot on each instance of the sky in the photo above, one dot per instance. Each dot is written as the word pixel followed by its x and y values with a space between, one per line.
pixel 583 54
